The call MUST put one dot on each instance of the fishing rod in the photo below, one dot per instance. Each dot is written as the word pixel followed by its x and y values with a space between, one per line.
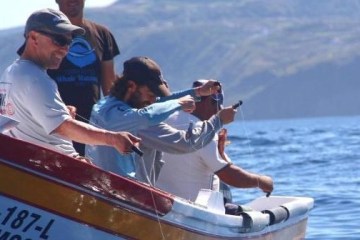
pixel 137 150
pixel 238 104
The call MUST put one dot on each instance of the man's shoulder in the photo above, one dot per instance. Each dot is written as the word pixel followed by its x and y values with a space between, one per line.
pixel 26 69
pixel 109 103
pixel 181 117
pixel 95 26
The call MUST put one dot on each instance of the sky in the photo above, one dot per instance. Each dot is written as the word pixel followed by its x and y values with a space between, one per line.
pixel 15 12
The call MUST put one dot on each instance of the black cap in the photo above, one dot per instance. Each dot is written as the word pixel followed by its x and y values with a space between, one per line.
pixel 145 71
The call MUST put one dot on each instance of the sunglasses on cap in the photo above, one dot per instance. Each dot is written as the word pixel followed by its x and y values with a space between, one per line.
pixel 58 40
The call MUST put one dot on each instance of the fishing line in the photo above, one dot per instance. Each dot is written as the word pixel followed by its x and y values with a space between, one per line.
pixel 247 136
pixel 152 170
pixel 140 153
pixel 251 150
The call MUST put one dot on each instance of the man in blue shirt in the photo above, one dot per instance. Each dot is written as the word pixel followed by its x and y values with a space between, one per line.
pixel 133 105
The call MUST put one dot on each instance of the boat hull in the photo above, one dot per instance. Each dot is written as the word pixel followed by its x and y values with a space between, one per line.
pixel 46 195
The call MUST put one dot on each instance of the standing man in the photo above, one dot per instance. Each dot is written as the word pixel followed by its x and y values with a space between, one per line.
pixel 88 68
pixel 185 175
pixel 32 98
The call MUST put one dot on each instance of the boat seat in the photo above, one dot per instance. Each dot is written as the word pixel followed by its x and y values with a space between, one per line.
pixel 212 200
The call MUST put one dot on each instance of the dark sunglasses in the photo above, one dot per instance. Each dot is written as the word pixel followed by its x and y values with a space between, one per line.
pixel 58 40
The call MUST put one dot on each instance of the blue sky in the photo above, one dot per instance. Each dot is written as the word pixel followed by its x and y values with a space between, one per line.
pixel 15 12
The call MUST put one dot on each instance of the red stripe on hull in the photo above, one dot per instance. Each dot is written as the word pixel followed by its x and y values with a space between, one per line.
pixel 84 175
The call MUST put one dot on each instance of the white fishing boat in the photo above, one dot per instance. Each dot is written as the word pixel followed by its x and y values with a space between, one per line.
pixel 47 195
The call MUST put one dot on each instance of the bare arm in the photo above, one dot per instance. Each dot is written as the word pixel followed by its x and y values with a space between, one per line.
pixel 237 177
pixel 87 134
pixel 222 142
pixel 107 76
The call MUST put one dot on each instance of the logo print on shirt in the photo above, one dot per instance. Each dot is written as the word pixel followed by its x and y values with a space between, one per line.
pixel 81 53
pixel 6 107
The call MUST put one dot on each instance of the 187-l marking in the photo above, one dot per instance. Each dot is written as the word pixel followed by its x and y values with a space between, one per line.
pixel 27 220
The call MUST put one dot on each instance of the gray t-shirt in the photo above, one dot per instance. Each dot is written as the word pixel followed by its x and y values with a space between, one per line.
pixel 31 97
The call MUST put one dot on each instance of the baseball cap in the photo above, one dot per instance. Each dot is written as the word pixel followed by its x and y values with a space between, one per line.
pixel 50 21
pixel 145 71
pixel 217 97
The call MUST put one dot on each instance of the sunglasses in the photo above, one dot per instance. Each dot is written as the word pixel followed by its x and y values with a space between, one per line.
pixel 58 40
pixel 218 97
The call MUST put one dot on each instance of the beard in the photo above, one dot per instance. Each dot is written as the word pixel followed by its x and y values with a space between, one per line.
pixel 136 101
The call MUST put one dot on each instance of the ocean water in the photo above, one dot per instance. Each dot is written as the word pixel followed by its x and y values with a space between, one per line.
pixel 317 158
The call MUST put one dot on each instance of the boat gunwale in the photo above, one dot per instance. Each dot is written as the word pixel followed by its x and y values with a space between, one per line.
pixel 63 168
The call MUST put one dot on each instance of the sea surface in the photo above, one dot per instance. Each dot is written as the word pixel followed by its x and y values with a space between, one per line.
pixel 318 158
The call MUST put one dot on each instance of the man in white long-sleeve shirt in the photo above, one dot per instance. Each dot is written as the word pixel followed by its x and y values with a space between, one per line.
pixel 184 175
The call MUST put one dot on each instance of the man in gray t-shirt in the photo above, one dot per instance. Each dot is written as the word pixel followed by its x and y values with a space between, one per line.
pixel 36 105
pixel 31 97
